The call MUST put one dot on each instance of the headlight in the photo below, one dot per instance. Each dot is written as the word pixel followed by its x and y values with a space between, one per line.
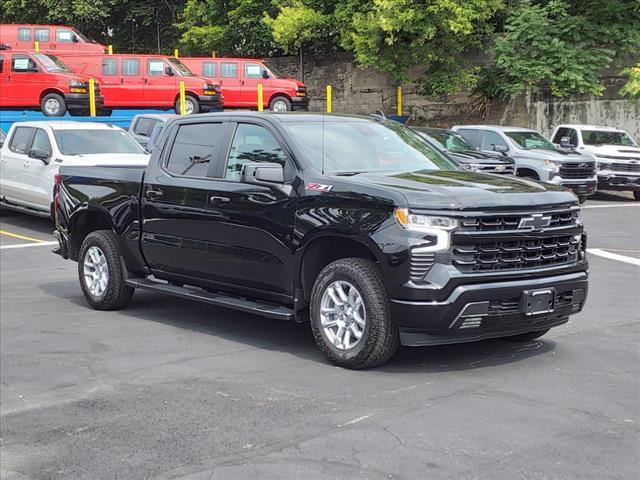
pixel 553 165
pixel 78 86
pixel 435 230
pixel 210 89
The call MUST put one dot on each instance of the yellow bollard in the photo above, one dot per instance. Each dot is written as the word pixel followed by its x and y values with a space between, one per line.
pixel 36 46
pixel 175 52
pixel 213 54
pixel 183 106
pixel 92 97
pixel 110 47
pixel 329 99
pixel 399 100
pixel 260 98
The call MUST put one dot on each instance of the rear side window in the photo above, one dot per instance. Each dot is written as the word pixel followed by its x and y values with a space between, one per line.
pixel 21 139
pixel 228 70
pixel 252 143
pixel 144 126
pixel 471 136
pixel 491 139
pixel 24 34
pixel 130 67
pixel 209 69
pixel 41 34
pixel 22 63
pixel 109 66
pixel 195 149
pixel 41 141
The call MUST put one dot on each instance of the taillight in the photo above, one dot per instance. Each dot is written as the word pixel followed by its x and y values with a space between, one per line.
pixel 57 179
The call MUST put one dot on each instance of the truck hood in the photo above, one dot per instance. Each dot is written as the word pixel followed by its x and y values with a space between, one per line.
pixel 617 152
pixel 460 190
pixel 476 156
pixel 555 155
pixel 101 159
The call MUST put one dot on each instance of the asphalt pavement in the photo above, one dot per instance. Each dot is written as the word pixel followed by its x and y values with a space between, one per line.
pixel 169 389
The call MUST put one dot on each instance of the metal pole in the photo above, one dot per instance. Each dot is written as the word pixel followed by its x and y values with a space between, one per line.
pixel 399 100
pixel 329 106
pixel 92 97
pixel 260 98
pixel 183 106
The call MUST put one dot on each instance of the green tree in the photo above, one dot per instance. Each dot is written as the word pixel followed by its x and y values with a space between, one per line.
pixel 632 87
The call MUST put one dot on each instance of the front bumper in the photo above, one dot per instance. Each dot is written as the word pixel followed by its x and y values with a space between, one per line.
pixel 80 101
pixel 611 180
pixel 579 186
pixel 211 103
pixel 489 310
pixel 300 103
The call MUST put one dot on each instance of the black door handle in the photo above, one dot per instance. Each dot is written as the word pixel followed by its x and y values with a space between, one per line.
pixel 215 198
pixel 153 193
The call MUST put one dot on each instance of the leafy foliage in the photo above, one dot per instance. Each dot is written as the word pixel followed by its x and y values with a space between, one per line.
pixel 632 87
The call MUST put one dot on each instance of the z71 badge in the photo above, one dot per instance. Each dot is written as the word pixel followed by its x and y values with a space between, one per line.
pixel 319 186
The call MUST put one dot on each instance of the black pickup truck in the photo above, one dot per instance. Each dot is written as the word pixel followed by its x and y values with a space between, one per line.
pixel 356 224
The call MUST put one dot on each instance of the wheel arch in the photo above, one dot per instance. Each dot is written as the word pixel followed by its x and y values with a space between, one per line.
pixel 279 94
pixel 82 223
pixel 47 91
pixel 527 172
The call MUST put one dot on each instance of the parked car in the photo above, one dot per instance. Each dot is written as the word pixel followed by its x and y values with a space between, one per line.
pixel 618 154
pixel 143 124
pixel 239 79
pixel 150 81
pixel 42 81
pixel 535 156
pixel 51 39
pixel 465 154
pixel 358 224
pixel 35 151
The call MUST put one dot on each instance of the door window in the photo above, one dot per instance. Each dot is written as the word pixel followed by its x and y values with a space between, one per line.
pixel 252 70
pixel 41 34
pixel 109 67
pixel 22 63
pixel 252 143
pixel 24 34
pixel 41 141
pixel 64 36
pixel 566 132
pixel 20 140
pixel 155 68
pixel 228 70
pixel 491 139
pixel 130 67
pixel 195 149
pixel 144 126
pixel 209 69
pixel 470 136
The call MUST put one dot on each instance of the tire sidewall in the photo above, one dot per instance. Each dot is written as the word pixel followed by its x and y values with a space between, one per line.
pixel 59 99
pixel 280 99
pixel 188 99
pixel 95 239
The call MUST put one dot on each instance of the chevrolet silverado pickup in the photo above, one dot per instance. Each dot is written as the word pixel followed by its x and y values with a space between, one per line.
pixel 358 225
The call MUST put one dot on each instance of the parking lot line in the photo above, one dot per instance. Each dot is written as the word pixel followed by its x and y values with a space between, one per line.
pixel 613 205
pixel 21 237
pixel 614 256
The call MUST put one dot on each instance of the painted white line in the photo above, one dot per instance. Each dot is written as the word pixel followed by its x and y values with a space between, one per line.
pixel 614 256
pixel 356 420
pixel 27 245
pixel 613 205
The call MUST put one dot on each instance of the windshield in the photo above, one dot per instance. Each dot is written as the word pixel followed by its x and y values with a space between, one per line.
pixel 448 140
pixel 87 142
pixel 274 72
pixel 600 137
pixel 51 63
pixel 530 140
pixel 181 67
pixel 359 147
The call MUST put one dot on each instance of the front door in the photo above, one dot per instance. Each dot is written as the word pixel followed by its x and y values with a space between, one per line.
pixel 159 86
pixel 25 81
pixel 231 84
pixel 174 202
pixel 252 76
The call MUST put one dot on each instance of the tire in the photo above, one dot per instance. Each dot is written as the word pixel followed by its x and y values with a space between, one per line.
pixel 115 294
pixel 525 337
pixel 582 199
pixel 636 194
pixel 280 104
pixel 191 105
pixel 379 338
pixel 53 105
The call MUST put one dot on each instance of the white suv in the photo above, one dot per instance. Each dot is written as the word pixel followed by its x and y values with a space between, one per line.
pixel 33 153
pixel 617 153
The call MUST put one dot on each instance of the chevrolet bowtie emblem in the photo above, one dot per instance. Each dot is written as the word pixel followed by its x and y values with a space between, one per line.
pixel 537 221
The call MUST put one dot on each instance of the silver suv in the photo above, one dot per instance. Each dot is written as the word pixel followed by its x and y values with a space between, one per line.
pixel 536 157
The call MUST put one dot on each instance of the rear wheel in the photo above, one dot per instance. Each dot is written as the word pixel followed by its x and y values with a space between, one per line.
pixel 191 105
pixel 525 337
pixel 53 105
pixel 101 272
pixel 350 316
pixel 636 194
pixel 280 104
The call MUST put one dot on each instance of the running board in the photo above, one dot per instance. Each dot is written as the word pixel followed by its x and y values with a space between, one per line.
pixel 27 210
pixel 221 300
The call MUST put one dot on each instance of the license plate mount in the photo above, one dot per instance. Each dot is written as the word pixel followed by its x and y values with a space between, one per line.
pixel 537 302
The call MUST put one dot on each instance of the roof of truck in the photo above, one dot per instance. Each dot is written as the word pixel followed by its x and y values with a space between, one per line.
pixel 503 128
pixel 590 127
pixel 68 125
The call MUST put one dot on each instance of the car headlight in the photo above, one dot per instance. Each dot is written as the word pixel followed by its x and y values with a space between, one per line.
pixel 78 86
pixel 552 164
pixel 436 230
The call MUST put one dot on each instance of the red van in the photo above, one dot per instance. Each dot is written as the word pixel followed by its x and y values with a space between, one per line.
pixel 31 80
pixel 51 38
pixel 151 81
pixel 239 79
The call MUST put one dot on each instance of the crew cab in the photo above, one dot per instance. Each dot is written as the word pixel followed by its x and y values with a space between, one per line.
pixel 617 153
pixel 536 157
pixel 34 152
pixel 465 154
pixel 354 223
pixel 31 81
pixel 50 38
pixel 149 81
pixel 239 79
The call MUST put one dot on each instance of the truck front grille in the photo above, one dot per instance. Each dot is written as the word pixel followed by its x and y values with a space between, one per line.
pixel 421 263
pixel 517 254
pixel 626 167
pixel 494 223
pixel 496 168
pixel 577 170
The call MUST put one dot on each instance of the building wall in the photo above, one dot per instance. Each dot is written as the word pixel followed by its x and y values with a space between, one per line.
pixel 364 91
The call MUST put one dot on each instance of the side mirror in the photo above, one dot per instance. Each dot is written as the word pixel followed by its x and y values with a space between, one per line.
pixel 74 38
pixel 168 71
pixel 265 74
pixel 500 148
pixel 39 154
pixel 565 142
pixel 259 173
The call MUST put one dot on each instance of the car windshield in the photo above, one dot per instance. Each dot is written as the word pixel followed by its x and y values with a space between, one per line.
pixel 181 67
pixel 352 147
pixel 87 142
pixel 448 140
pixel 530 140
pixel 601 137
pixel 274 72
pixel 51 63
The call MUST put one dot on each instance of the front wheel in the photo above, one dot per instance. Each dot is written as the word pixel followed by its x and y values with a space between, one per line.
pixel 525 337
pixel 191 105
pixel 53 105
pixel 280 104
pixel 101 273
pixel 636 194
pixel 582 199
pixel 350 316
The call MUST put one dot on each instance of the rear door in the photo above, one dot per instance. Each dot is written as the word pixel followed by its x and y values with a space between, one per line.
pixel 175 232
pixel 12 164
pixel 159 87
pixel 131 91
pixel 231 84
